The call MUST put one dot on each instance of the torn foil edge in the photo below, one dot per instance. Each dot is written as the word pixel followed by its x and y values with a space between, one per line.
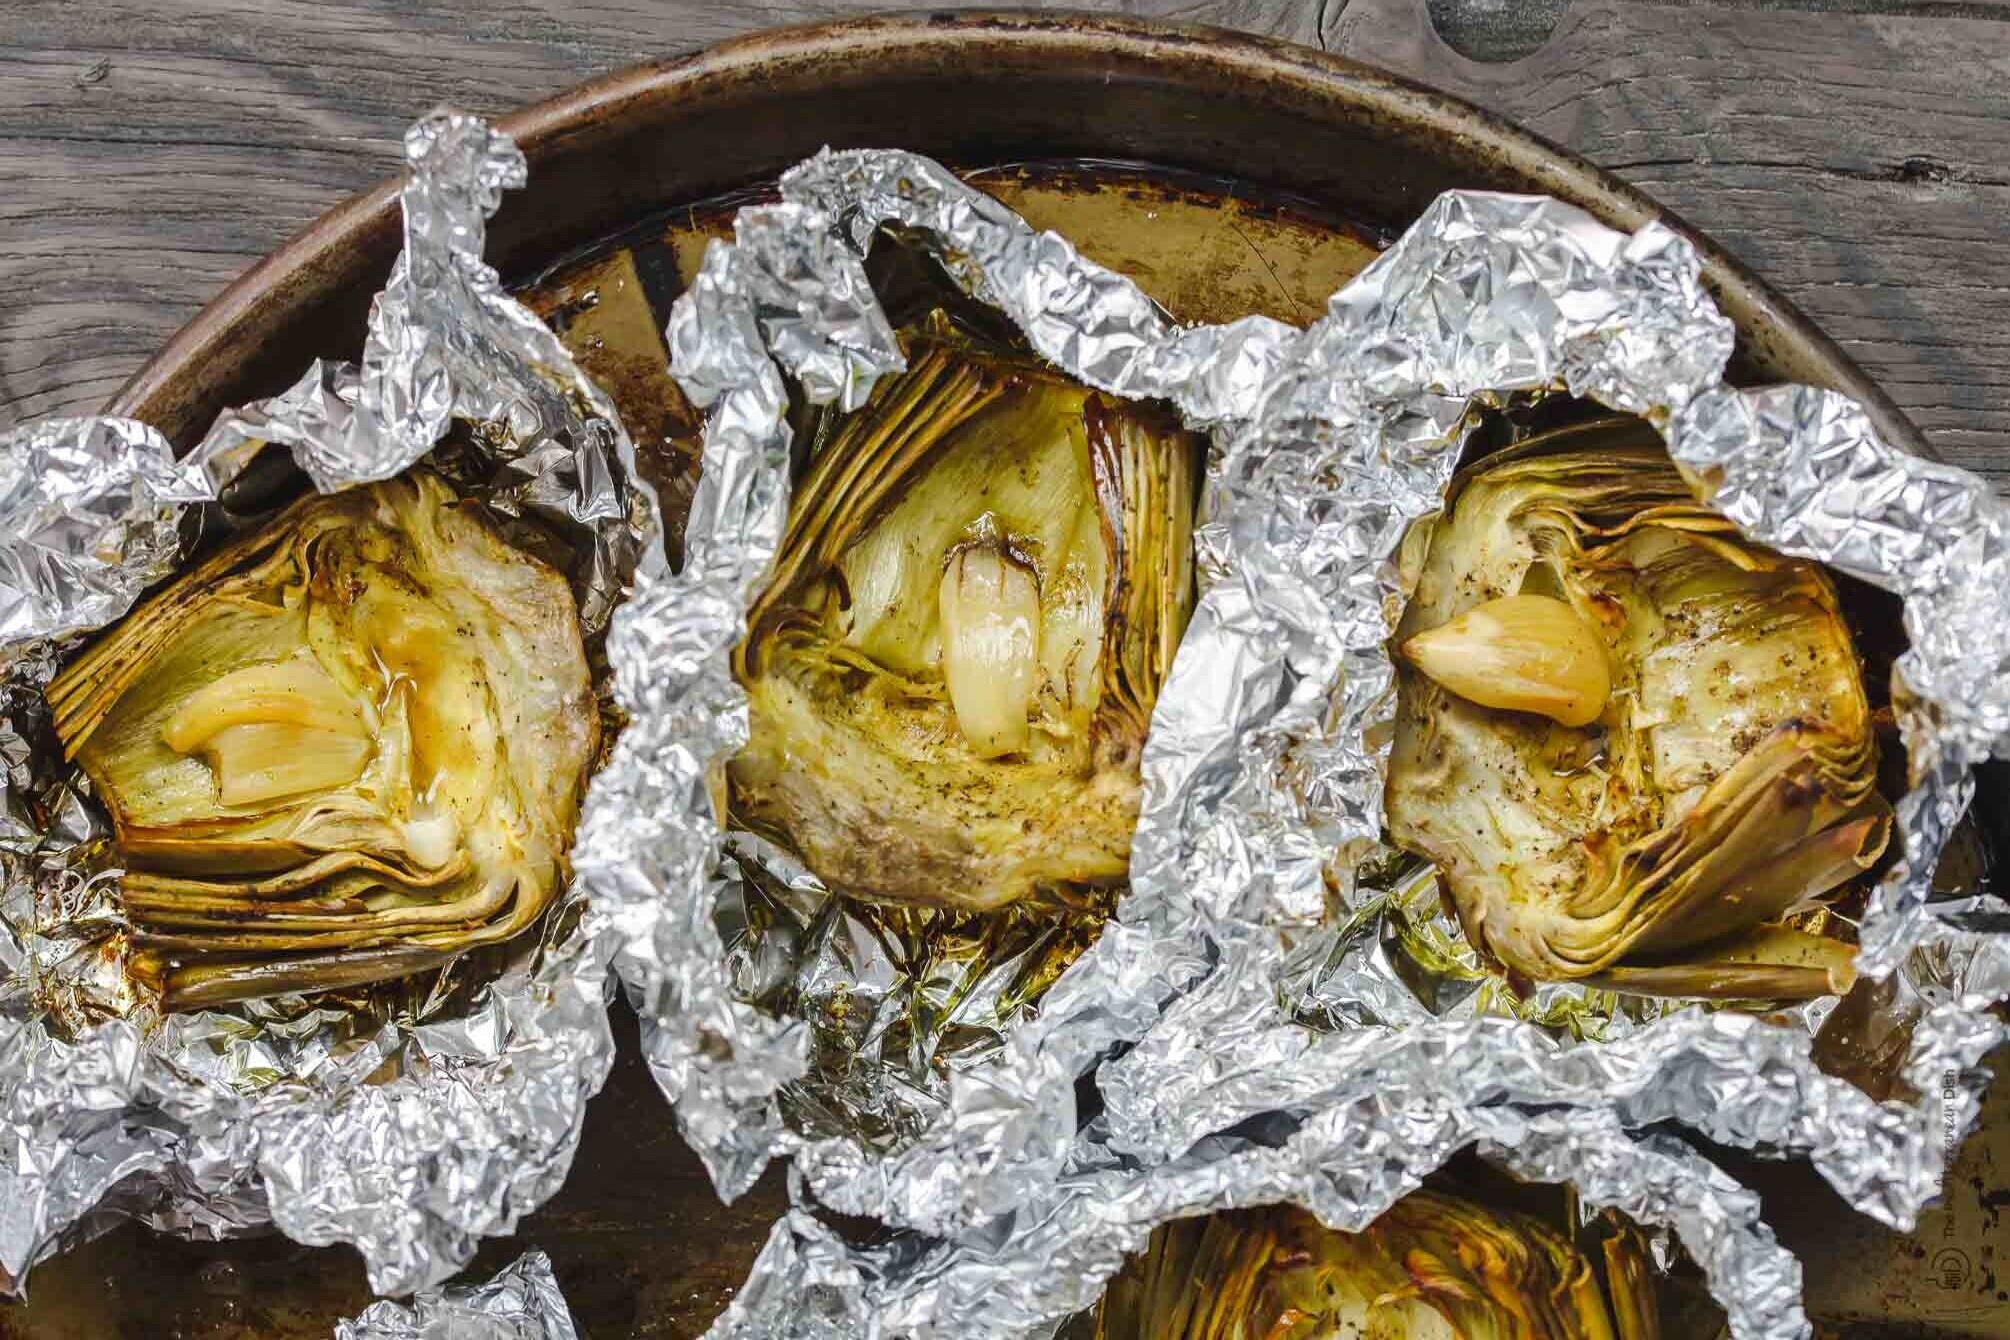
pixel 522 1302
pixel 1262 783
pixel 1050 1258
pixel 221 1122
pixel 791 290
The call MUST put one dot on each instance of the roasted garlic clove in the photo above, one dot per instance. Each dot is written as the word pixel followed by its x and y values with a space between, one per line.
pixel 1520 653
pixel 989 607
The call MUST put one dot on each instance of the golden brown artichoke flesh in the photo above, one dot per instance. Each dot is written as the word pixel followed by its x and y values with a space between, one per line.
pixel 343 749
pixel 1434 1267
pixel 985 574
pixel 1644 823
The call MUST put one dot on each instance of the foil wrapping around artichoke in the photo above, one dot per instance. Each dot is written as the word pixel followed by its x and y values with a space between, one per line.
pixel 1433 1267
pixel 1634 744
pixel 986 572
pixel 343 749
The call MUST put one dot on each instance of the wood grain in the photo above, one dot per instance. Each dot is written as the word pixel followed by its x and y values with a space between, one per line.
pixel 1856 152
pixel 1858 159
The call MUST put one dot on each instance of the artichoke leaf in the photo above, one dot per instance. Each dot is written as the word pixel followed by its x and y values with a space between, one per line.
pixel 347 746
pixel 950 672
pixel 1725 778
pixel 1433 1267
pixel 1635 1312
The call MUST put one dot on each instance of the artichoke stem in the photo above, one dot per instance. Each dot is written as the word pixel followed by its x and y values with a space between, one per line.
pixel 990 609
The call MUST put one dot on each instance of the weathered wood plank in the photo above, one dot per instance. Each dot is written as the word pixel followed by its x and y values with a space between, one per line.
pixel 1857 153
pixel 153 149
pixel 1860 161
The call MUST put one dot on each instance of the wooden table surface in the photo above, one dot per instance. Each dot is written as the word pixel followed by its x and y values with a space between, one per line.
pixel 1854 152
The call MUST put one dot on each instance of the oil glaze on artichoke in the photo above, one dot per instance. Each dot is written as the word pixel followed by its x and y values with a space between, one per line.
pixel 343 749
pixel 986 572
pixel 1630 740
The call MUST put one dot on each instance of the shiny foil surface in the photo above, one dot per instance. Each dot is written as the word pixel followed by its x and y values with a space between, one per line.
pixel 522 1302
pixel 411 1129
pixel 1264 1020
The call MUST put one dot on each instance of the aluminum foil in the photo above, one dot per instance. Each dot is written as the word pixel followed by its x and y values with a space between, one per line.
pixel 789 295
pixel 412 1131
pixel 1251 980
pixel 1050 1258
pixel 522 1302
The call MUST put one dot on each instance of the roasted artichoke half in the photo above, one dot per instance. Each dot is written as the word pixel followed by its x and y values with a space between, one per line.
pixel 985 574
pixel 1434 1267
pixel 1631 741
pixel 345 748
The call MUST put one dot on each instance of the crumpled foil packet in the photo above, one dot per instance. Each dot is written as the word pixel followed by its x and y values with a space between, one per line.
pixel 1050 1258
pixel 790 295
pixel 1223 998
pixel 410 1132
pixel 522 1302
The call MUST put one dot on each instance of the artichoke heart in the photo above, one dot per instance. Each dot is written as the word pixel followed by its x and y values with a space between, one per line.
pixel 1433 1267
pixel 1630 740
pixel 346 747
pixel 985 574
